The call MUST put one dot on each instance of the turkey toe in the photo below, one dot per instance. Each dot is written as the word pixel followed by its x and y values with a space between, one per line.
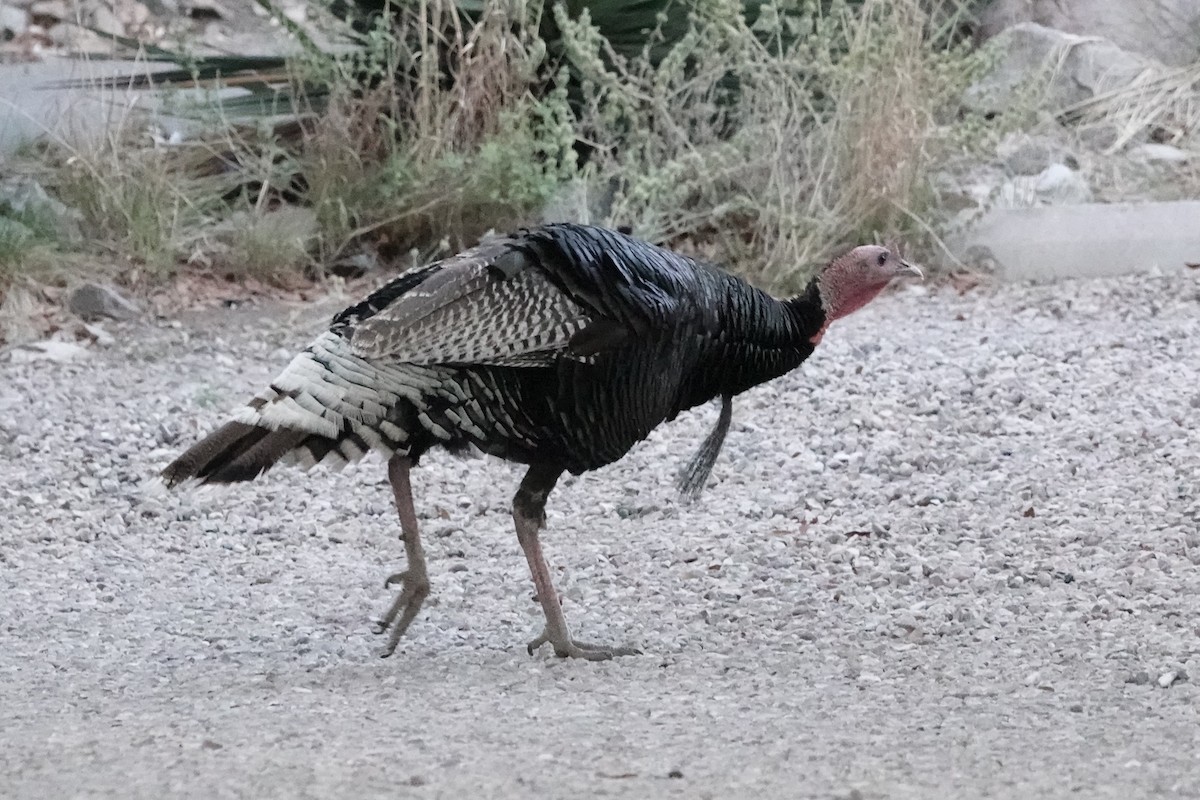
pixel 588 651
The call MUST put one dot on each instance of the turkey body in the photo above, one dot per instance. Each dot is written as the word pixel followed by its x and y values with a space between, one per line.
pixel 559 347
pixel 564 344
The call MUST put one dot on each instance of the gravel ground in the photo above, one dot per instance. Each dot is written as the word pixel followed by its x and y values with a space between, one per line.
pixel 953 556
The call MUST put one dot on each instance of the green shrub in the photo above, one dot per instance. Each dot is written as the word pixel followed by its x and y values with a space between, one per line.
pixel 29 237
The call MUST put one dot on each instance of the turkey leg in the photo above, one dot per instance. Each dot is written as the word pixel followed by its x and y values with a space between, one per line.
pixel 529 515
pixel 415 579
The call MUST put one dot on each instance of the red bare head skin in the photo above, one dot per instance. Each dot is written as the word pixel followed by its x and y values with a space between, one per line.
pixel 852 280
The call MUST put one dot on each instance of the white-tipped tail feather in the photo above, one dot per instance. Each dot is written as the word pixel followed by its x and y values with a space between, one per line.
pixel 328 406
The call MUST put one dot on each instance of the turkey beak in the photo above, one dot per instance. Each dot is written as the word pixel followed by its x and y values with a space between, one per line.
pixel 912 270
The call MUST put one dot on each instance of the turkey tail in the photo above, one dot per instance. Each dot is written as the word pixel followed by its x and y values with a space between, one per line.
pixel 234 452
pixel 327 406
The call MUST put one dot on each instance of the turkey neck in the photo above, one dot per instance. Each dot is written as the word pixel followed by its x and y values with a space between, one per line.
pixel 807 312
pixel 756 338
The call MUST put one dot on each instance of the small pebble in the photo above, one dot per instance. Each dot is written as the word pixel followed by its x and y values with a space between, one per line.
pixel 1140 678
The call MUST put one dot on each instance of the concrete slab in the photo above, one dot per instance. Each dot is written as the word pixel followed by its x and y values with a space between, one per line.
pixel 1084 241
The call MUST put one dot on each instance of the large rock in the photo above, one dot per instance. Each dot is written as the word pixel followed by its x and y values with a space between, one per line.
pixel 1024 153
pixel 96 300
pixel 1163 29
pixel 1058 184
pixel 1068 68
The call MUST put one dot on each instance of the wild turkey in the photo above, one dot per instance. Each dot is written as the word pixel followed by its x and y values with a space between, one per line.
pixel 558 347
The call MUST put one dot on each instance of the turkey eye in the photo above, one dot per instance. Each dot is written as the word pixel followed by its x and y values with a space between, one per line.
pixel 883 257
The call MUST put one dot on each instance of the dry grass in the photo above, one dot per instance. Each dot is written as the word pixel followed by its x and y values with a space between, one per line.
pixel 764 146
pixel 1162 103
pixel 141 199
pixel 438 131
pixel 156 205
pixel 443 146
pixel 18 316
pixel 271 246
pixel 770 145
pixel 130 200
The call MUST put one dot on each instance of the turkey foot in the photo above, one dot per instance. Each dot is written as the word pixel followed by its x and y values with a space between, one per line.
pixel 529 515
pixel 415 579
pixel 413 593
pixel 585 650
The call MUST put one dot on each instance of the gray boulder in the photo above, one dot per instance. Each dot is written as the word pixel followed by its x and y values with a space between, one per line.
pixel 1066 69
pixel 1028 153
pixel 1058 184
pixel 97 300
pixel 1086 240
pixel 1162 29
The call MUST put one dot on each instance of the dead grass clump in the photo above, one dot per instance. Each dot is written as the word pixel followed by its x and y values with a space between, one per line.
pixel 270 246
pixel 130 200
pixel 1162 104
pixel 156 202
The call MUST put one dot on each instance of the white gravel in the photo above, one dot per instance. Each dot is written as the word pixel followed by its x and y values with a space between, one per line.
pixel 954 556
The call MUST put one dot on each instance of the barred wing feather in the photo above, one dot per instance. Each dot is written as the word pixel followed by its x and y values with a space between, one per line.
pixel 479 308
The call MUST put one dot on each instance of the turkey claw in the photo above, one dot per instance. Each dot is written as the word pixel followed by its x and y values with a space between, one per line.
pixel 585 650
